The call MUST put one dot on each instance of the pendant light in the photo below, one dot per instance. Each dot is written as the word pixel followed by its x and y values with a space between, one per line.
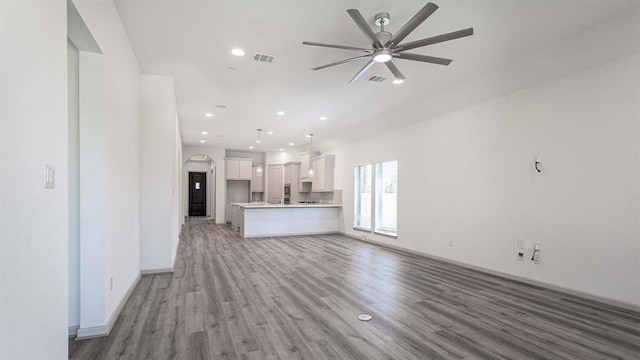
pixel 259 170
pixel 310 154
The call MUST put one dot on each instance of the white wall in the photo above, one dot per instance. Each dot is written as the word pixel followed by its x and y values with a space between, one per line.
pixel 468 176
pixel 33 220
pixel 217 155
pixel 93 203
pixel 176 186
pixel 160 174
pixel 74 184
pixel 117 160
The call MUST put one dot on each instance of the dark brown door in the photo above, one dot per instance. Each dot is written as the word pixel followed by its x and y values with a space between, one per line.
pixel 197 194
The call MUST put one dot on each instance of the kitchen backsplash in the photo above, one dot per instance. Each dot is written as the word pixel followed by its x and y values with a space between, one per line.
pixel 334 197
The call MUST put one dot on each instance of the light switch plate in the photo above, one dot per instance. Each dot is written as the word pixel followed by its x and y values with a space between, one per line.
pixel 49 176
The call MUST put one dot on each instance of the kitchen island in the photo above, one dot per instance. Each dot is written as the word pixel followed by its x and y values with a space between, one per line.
pixel 262 220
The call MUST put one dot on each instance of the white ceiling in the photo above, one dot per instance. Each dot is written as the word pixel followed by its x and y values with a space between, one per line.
pixel 517 43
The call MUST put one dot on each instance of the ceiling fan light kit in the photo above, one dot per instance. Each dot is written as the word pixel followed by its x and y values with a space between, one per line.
pixel 386 47
pixel 382 55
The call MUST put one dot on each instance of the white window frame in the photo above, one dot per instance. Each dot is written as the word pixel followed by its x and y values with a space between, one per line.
pixel 381 231
pixel 372 201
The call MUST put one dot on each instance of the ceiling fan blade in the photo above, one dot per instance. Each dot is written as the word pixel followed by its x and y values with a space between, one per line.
pixel 412 24
pixel 393 66
pixel 359 74
pixel 341 62
pixel 434 40
pixel 335 46
pixel 364 27
pixel 423 58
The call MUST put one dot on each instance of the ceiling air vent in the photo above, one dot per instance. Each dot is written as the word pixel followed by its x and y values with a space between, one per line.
pixel 377 78
pixel 221 106
pixel 263 58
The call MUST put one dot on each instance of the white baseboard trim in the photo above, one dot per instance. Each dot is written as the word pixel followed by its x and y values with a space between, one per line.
pixel 73 330
pixel 565 290
pixel 156 270
pixel 291 234
pixel 104 330
pixel 92 332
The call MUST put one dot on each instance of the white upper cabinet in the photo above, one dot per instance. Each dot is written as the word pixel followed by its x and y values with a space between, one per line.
pixel 246 169
pixel 323 173
pixel 304 163
pixel 238 169
pixel 257 182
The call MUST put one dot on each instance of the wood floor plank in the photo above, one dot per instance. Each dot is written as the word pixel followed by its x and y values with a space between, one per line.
pixel 298 298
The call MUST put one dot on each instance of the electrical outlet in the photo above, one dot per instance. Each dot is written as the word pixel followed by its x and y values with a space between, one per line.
pixel 111 284
pixel 536 253
pixel 450 242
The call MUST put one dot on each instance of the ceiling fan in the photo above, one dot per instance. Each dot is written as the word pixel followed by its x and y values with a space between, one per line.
pixel 387 47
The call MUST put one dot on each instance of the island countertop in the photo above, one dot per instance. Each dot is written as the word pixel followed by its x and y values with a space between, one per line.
pixel 264 205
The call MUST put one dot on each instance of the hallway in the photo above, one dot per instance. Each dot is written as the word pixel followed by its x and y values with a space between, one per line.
pixel 298 298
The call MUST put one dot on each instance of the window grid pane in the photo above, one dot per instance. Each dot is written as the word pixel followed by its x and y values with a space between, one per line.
pixel 362 197
pixel 387 197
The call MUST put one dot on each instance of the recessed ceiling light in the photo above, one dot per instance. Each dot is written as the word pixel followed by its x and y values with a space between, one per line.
pixel 202 141
pixel 250 147
pixel 281 149
pixel 237 52
pixel 208 115
pixel 291 144
pixel 323 118
pixel 308 136
pixel 269 132
pixel 398 81
pixel 258 141
pixel 280 113
pixel 205 133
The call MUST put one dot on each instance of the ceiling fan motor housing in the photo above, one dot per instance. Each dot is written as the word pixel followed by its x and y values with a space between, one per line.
pixel 383 36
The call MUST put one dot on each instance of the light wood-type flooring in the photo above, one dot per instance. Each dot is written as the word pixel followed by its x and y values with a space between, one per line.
pixel 298 298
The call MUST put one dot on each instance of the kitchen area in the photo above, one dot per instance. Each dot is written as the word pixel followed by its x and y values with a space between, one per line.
pixel 265 198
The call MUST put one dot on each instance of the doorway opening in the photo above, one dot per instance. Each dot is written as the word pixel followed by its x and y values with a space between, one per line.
pixel 199 164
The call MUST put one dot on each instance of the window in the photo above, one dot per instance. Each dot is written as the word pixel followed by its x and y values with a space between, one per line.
pixel 362 197
pixel 387 198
